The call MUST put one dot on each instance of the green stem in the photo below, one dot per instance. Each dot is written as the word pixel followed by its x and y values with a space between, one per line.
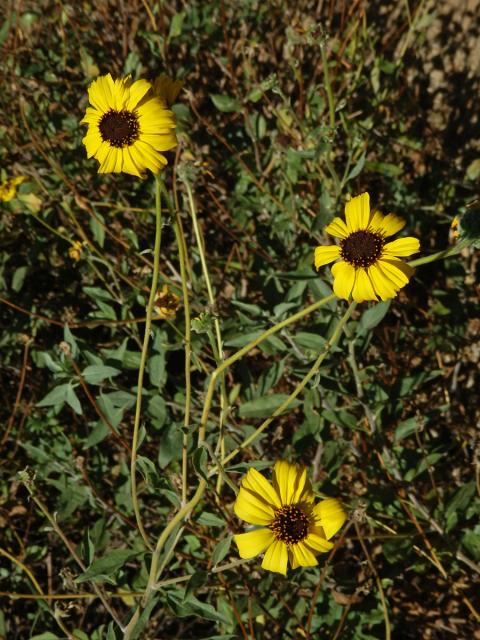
pixel 244 350
pixel 298 389
pixel 143 358
pixel 328 86
pixel 218 351
pixel 183 260
pixel 446 253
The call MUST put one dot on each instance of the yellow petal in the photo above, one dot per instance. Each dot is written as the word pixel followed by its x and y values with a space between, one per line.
pixel 92 142
pixel 129 165
pixel 254 542
pixel 337 228
pixel 395 270
pixel 92 116
pixel 344 277
pixel 161 142
pixel 324 255
pixel 316 540
pixel 145 156
pixel 289 481
pixel 357 212
pixel 97 96
pixel 363 288
pixel 121 93
pixel 137 91
pixel 303 555
pixel 376 221
pixel 392 224
pixel 331 516
pixel 383 286
pixel 276 558
pixel 252 509
pixel 401 247
pixel 108 164
pixel 255 482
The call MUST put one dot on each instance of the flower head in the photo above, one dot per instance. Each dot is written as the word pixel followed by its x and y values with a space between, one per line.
pixel 167 303
pixel 8 189
pixel 292 528
pixel 369 266
pixel 75 250
pixel 128 126
pixel 167 89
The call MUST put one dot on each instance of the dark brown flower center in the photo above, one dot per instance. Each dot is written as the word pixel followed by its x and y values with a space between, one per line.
pixel 290 524
pixel 362 248
pixel 119 128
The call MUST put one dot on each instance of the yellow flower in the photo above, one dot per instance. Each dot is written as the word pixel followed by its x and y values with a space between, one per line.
pixel 8 189
pixel 167 89
pixel 166 303
pixel 369 266
pixel 454 227
pixel 293 528
pixel 76 250
pixel 128 126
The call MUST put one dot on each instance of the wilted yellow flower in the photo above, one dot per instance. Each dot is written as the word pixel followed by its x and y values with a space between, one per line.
pixel 369 266
pixel 292 528
pixel 76 250
pixel 8 189
pixel 128 126
pixel 166 303
pixel 167 89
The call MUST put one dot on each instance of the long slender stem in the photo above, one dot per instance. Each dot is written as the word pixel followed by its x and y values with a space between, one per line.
pixel 143 359
pixel 187 339
pixel 218 351
pixel 446 253
pixel 328 86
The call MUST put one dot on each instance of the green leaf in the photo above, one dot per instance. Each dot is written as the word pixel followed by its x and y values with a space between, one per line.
pixel 73 401
pixel 57 396
pixel 198 579
pixel 170 446
pixel 106 566
pixel 405 429
pixel 47 635
pixel 210 520
pixel 200 459
pixel 373 316
pixel 264 406
pixel 221 550
pixel 357 168
pixel 18 278
pixel 96 373
pixel 311 341
pixel 226 104
pixel 176 25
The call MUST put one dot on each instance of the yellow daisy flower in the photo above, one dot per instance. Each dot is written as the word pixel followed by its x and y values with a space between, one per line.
pixel 293 528
pixel 8 189
pixel 369 266
pixel 128 126
pixel 167 89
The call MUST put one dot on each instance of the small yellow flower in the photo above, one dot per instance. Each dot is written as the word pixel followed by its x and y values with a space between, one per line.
pixel 76 250
pixel 454 227
pixel 167 89
pixel 8 189
pixel 292 528
pixel 128 126
pixel 166 303
pixel 369 266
